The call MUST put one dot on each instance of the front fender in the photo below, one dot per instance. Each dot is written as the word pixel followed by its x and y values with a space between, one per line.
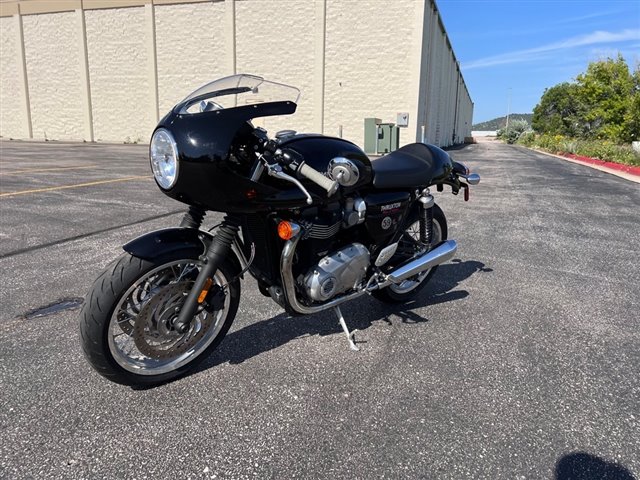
pixel 159 243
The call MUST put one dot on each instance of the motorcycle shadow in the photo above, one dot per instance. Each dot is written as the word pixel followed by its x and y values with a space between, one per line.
pixel 360 314
pixel 585 466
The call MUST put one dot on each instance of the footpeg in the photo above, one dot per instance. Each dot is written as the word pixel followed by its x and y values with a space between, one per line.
pixel 350 335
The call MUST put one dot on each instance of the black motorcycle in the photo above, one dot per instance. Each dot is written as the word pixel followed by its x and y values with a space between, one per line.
pixel 310 217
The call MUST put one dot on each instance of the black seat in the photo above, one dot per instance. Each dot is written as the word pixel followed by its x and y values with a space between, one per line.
pixel 413 165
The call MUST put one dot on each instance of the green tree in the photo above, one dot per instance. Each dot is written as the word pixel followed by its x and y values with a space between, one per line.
pixel 631 126
pixel 559 111
pixel 603 103
pixel 606 90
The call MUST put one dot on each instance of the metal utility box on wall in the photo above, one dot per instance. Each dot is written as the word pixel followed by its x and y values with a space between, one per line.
pixel 380 137
pixel 388 137
pixel 402 119
pixel 395 138
pixel 371 135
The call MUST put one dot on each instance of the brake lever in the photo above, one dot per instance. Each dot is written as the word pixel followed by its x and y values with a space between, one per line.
pixel 275 170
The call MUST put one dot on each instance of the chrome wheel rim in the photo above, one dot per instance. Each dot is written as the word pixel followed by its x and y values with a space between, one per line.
pixel 175 278
pixel 412 236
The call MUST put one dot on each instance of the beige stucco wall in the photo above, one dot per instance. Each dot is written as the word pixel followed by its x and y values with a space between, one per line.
pixel 118 71
pixel 11 111
pixel 369 64
pixel 282 51
pixel 191 49
pixel 53 70
pixel 371 59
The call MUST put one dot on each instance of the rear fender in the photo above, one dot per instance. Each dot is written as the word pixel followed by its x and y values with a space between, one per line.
pixel 159 243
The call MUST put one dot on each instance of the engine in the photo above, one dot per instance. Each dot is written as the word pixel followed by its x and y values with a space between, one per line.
pixel 333 258
pixel 338 272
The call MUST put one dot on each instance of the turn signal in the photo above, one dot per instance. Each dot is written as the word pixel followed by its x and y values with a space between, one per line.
pixel 285 230
pixel 205 290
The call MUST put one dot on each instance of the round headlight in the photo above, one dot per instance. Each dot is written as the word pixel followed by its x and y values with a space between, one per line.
pixel 163 154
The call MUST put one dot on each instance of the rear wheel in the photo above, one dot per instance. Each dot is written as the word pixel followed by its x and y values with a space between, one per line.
pixel 409 246
pixel 126 321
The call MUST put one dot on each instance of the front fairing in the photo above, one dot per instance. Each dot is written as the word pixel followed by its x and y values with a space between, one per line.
pixel 211 176
pixel 209 136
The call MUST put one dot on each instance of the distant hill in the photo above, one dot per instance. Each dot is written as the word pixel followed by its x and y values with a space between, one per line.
pixel 501 122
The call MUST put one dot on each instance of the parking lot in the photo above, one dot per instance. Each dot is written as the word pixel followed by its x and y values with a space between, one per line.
pixel 520 360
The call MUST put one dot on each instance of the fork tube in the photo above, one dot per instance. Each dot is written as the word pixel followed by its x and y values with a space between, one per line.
pixel 193 218
pixel 218 249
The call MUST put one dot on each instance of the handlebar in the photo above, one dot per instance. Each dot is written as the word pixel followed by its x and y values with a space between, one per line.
pixel 295 162
pixel 331 186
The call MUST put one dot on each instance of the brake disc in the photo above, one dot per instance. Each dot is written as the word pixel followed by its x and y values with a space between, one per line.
pixel 153 331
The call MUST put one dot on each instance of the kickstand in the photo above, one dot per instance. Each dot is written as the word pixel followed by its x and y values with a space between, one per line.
pixel 352 343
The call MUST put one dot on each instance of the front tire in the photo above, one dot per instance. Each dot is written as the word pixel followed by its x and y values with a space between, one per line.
pixel 410 288
pixel 125 321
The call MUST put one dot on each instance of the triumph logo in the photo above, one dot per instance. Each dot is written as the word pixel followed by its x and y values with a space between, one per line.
pixel 391 206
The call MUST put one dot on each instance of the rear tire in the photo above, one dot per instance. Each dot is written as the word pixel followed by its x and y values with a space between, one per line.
pixel 397 294
pixel 130 285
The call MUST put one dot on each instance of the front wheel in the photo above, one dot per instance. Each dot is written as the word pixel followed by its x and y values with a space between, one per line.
pixel 408 245
pixel 126 321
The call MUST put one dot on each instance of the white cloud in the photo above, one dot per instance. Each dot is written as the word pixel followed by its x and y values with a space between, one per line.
pixel 589 16
pixel 519 56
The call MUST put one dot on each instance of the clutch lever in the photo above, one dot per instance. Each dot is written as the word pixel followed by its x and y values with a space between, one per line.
pixel 275 170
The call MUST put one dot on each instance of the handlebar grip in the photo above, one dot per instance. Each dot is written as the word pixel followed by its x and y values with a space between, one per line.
pixel 318 178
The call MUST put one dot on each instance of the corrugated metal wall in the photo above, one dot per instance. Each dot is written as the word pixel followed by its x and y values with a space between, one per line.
pixel 445 109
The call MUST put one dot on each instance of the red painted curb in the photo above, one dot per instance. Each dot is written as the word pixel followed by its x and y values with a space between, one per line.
pixel 594 161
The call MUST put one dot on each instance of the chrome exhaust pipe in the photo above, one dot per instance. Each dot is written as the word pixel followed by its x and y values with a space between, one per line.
pixel 288 282
pixel 442 253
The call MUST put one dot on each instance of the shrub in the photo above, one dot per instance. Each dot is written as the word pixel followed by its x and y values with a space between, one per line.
pixel 609 151
pixel 600 149
pixel 569 145
pixel 513 132
pixel 550 142
pixel 527 139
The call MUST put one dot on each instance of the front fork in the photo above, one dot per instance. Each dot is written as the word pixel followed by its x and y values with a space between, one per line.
pixel 219 248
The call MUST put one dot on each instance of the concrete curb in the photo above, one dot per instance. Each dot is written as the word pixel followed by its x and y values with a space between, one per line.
pixel 619 170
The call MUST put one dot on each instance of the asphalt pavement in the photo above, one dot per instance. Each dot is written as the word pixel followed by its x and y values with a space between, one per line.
pixel 521 360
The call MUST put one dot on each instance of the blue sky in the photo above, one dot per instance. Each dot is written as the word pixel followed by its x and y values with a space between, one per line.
pixel 529 45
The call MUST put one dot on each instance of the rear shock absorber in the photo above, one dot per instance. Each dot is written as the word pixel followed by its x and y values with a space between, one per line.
pixel 426 218
pixel 218 249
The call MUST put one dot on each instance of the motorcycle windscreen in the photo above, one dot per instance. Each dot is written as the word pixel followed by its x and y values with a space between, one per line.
pixel 205 123
pixel 236 91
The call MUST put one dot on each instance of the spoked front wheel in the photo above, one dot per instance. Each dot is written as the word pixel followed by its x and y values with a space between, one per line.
pixel 126 322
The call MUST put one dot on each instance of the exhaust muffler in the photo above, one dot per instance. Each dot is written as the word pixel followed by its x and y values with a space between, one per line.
pixel 442 253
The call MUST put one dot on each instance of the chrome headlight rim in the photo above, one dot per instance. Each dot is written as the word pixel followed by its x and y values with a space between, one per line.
pixel 162 180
